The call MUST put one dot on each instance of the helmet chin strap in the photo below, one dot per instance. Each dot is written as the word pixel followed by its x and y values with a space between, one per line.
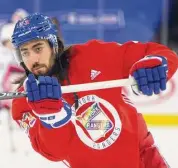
pixel 25 68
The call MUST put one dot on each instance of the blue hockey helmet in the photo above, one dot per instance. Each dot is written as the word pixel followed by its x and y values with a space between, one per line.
pixel 33 27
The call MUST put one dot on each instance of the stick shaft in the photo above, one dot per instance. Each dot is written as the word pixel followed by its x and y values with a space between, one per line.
pixel 12 95
pixel 98 85
pixel 77 88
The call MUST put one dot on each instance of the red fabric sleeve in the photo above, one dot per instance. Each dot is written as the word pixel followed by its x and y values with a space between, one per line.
pixel 150 156
pixel 50 143
pixel 133 52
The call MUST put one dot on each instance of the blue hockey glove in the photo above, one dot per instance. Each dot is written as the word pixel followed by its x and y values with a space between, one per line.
pixel 150 74
pixel 44 97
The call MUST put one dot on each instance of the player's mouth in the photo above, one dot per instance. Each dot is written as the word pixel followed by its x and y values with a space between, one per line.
pixel 38 67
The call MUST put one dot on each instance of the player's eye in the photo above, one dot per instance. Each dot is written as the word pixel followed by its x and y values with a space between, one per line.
pixel 25 54
pixel 38 49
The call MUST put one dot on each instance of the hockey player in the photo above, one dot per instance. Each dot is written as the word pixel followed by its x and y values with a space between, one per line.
pixel 91 129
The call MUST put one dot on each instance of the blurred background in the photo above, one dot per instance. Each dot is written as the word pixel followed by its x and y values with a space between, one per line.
pixel 79 21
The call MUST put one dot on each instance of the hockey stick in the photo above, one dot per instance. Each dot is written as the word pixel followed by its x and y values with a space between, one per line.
pixel 78 87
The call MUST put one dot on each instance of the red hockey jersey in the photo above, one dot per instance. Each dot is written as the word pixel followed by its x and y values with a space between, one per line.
pixel 105 131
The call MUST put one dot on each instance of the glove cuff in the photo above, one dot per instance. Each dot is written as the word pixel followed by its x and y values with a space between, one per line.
pixel 46 106
pixel 58 119
pixel 146 62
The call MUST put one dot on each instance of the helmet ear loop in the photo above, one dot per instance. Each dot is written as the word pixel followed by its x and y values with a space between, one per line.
pixel 55 51
pixel 21 63
pixel 18 57
pixel 59 49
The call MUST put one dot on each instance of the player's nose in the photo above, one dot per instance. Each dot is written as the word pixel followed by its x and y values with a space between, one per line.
pixel 35 57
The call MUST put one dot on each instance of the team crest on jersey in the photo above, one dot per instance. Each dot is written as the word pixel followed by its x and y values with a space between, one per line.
pixel 95 123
